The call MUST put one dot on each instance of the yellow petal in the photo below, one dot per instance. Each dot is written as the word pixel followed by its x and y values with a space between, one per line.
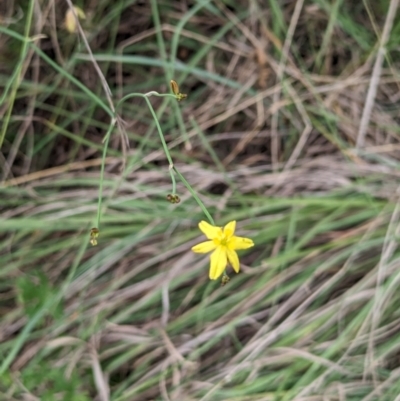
pixel 240 243
pixel 210 231
pixel 218 262
pixel 233 260
pixel 229 229
pixel 204 247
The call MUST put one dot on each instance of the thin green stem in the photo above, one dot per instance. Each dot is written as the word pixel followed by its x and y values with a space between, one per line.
pixel 164 144
pixel 160 39
pixel 166 150
pixel 171 173
pixel 178 29
pixel 170 66
pixel 172 168
pixel 144 95
pixel 59 69
pixel 23 336
pixel 103 163
pixel 17 76
pixel 47 306
pixel 197 199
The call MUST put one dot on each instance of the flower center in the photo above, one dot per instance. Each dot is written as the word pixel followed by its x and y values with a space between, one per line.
pixel 222 241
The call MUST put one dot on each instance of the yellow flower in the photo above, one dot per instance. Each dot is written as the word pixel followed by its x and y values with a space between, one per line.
pixel 224 244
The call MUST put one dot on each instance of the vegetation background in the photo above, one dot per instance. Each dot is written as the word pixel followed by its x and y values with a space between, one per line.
pixel 290 127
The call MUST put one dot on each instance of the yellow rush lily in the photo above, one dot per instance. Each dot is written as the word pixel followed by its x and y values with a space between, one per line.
pixel 224 244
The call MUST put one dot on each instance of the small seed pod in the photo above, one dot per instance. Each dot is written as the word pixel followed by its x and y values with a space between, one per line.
pixel 94 233
pixel 173 198
pixel 224 280
pixel 181 96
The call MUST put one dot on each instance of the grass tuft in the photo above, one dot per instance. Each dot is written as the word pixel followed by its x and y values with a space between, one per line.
pixel 290 127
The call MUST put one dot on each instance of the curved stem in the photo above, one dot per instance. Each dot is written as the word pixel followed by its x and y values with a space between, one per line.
pixel 145 95
pixel 172 168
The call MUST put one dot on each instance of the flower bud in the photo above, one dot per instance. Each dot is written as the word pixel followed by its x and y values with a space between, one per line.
pixel 70 20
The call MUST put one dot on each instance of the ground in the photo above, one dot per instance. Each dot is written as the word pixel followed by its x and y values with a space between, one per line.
pixel 289 127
